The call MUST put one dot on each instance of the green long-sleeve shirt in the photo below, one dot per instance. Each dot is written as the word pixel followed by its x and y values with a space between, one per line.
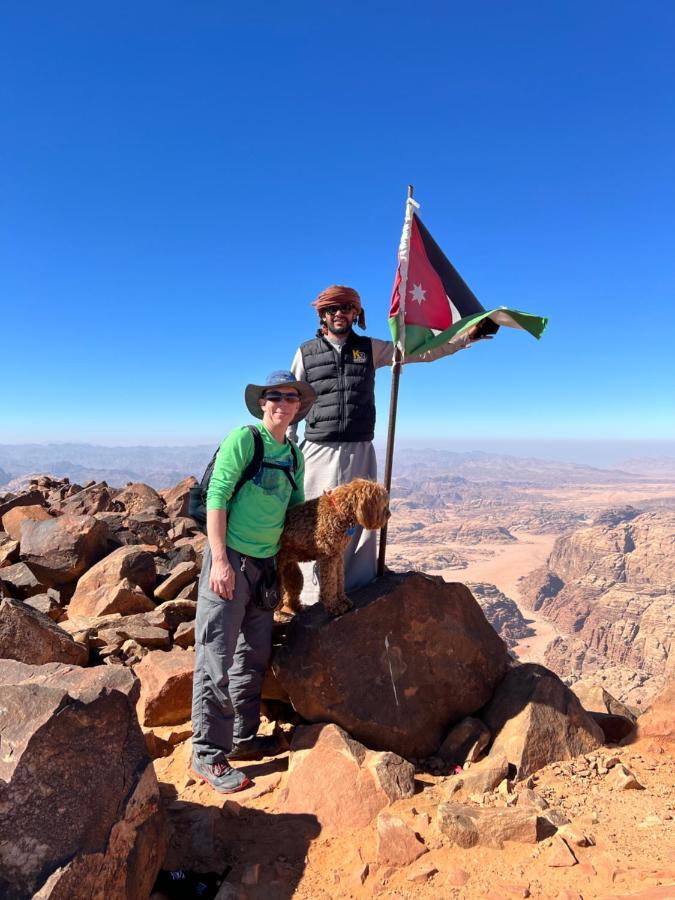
pixel 255 518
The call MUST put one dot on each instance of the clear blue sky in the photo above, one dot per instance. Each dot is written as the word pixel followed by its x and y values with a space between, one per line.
pixel 179 180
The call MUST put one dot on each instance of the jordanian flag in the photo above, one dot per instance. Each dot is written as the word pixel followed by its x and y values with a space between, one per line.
pixel 431 304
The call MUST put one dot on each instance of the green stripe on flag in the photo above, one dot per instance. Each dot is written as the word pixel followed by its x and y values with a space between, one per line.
pixel 420 340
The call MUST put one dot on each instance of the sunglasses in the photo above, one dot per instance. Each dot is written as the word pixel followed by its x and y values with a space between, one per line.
pixel 281 397
pixel 338 307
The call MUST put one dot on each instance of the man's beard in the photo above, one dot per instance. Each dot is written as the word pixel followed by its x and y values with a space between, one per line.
pixel 337 331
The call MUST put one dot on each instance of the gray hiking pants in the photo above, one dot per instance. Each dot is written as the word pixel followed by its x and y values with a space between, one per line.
pixel 233 642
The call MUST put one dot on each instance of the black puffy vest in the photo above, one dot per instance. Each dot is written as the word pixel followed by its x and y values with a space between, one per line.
pixel 345 389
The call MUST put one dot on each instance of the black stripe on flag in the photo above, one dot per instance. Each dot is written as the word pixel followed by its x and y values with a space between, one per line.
pixel 455 287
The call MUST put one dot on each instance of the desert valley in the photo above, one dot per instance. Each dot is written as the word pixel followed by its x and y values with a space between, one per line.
pixel 425 757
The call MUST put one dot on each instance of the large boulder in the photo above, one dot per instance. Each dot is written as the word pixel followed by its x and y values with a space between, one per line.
pixel 19 581
pixel 659 720
pixel 81 807
pixel 30 498
pixel 339 781
pixel 136 563
pixel 60 550
pixel 95 498
pixel 116 584
pixel 180 576
pixel 123 598
pixel 536 720
pixel 595 698
pixel 166 687
pixel 14 519
pixel 413 657
pixel 31 637
pixel 177 497
pixel 140 498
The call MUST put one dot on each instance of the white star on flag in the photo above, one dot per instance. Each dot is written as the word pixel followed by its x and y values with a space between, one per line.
pixel 418 293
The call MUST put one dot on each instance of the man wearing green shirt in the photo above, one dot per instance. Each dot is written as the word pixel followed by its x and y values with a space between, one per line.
pixel 233 631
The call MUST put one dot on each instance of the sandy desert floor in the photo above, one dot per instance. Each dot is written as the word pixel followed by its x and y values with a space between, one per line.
pixel 504 565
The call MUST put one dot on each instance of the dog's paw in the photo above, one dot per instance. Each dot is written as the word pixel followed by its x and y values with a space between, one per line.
pixel 339 606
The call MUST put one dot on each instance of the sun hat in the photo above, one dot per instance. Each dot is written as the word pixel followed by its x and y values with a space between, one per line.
pixel 279 378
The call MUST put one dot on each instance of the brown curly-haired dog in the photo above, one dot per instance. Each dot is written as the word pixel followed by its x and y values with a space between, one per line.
pixel 317 530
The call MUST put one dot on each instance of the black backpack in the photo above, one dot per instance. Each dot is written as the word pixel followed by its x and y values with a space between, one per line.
pixel 197 498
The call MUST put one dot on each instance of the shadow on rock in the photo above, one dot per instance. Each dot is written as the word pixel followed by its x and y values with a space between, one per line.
pixel 264 852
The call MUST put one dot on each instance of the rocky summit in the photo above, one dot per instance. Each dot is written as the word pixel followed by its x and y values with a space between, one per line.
pixel 419 757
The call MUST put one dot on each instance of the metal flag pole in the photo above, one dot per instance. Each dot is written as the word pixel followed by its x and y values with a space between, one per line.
pixel 391 432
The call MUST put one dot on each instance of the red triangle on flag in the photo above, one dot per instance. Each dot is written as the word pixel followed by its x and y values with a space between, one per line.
pixel 426 303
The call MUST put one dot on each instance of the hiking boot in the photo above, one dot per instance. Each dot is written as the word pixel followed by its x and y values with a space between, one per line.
pixel 220 776
pixel 256 747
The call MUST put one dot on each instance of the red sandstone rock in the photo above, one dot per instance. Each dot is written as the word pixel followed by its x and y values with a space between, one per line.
pixel 31 637
pixel 136 563
pixel 9 550
pixel 147 629
pixel 185 635
pixel 536 720
pixel 76 776
pixel 20 582
pixel 28 499
pixel 468 826
pixel 175 612
pixel 397 843
pixel 658 721
pixel 140 498
pixel 465 742
pixel 622 779
pixel 176 498
pixel 166 687
pixel 123 598
pixel 47 603
pixel 413 656
pixel 481 777
pixel 180 576
pixel 14 519
pixel 59 550
pixel 333 777
pixel 91 500
pixel 560 854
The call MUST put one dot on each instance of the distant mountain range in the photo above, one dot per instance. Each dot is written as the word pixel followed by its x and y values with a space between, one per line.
pixel 480 466
pixel 157 466
pixel 164 466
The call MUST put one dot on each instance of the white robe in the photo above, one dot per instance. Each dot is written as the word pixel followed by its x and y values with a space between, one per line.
pixel 329 464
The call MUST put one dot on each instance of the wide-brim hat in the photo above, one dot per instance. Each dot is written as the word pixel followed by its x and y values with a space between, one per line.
pixel 280 378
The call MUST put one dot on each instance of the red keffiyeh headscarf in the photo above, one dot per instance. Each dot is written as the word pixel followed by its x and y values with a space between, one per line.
pixel 339 293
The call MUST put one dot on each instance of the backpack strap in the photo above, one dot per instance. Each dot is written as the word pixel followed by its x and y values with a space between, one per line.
pixel 289 473
pixel 197 500
pixel 254 465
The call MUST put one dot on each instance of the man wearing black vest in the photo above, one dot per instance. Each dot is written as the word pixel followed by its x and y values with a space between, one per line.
pixel 340 366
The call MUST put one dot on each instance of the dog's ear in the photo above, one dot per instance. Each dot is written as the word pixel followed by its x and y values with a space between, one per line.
pixel 372 505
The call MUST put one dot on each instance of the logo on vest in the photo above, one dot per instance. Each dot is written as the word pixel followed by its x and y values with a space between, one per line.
pixel 358 356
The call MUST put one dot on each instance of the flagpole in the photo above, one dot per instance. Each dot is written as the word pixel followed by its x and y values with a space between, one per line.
pixel 391 432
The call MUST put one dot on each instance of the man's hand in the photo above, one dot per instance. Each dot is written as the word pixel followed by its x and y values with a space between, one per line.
pixel 484 330
pixel 221 578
